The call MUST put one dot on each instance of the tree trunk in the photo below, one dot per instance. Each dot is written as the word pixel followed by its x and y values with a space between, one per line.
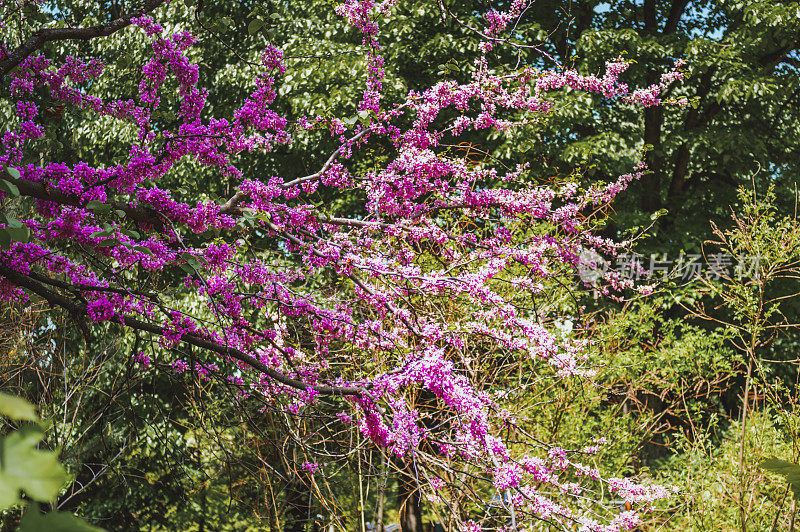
pixel 651 182
pixel 653 119
pixel 408 499
pixel 381 496
pixel 298 502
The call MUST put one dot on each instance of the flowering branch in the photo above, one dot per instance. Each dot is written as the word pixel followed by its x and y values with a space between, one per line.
pixel 448 265
pixel 79 311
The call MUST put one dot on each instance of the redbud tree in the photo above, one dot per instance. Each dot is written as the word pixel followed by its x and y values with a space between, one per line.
pixel 447 264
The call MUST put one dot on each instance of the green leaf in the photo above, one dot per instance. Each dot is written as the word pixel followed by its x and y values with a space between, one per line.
pixel 658 214
pixel 223 24
pixel 5 238
pixel 191 264
pixel 9 187
pixel 103 207
pixel 108 242
pixel 789 470
pixel 17 408
pixel 19 234
pixel 125 61
pixel 35 521
pixel 13 172
pixel 254 26
pixel 23 467
pixel 364 117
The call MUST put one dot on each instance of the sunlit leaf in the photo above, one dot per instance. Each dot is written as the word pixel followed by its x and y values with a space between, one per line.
pixel 17 408
pixel 24 468
pixel 35 521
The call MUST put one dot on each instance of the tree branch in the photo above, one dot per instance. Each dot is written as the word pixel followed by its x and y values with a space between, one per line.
pixel 44 191
pixel 231 207
pixel 40 37
pixel 649 16
pixel 693 120
pixel 775 57
pixel 79 310
pixel 675 13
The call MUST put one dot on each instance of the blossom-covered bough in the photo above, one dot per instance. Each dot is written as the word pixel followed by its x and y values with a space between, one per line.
pixel 446 269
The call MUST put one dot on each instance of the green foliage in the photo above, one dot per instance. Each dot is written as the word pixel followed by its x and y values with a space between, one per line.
pixel 17 408
pixel 25 468
pixel 705 469
pixel 36 473
pixel 35 521
pixel 788 470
